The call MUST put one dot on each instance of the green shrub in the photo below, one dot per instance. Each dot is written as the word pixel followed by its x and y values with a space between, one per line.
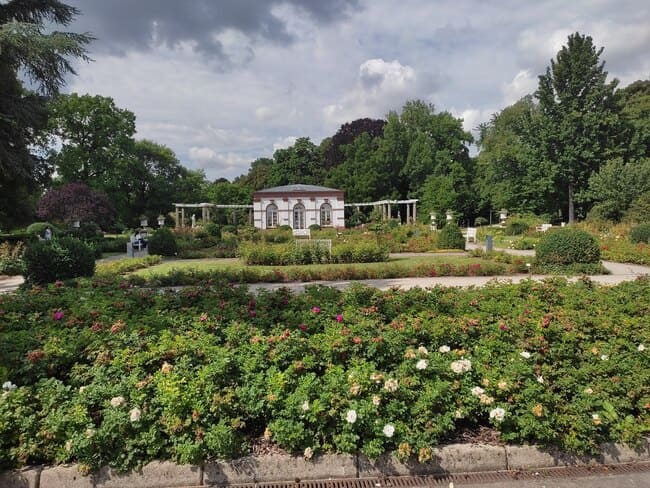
pixel 163 243
pixel 277 236
pixel 113 244
pixel 38 228
pixel 58 259
pixel 451 237
pixel 230 229
pixel 567 246
pixel 480 221
pixel 213 230
pixel 11 258
pixel 516 227
pixel 640 233
pixel 314 227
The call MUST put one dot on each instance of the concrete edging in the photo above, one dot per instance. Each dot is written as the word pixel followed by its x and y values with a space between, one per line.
pixel 455 458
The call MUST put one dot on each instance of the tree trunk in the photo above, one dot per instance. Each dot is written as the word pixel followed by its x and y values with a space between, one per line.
pixel 572 212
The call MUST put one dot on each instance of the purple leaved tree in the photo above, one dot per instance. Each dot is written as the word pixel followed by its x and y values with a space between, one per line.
pixel 76 201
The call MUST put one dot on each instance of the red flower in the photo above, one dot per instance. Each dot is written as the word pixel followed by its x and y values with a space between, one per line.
pixel 315 309
pixel 303 327
pixel 35 355
pixel 339 318
pixel 58 315
pixel 58 283
pixel 357 340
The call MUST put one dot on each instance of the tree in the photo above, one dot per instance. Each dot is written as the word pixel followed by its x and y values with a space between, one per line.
pixel 580 115
pixel 510 173
pixel 636 111
pixel 42 57
pixel 96 139
pixel 616 185
pixel 347 133
pixel 299 163
pixel 257 176
pixel 76 201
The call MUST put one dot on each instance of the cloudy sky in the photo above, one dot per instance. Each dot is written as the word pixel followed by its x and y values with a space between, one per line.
pixel 223 82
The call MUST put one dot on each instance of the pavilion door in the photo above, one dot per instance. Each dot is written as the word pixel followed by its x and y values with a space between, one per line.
pixel 299 217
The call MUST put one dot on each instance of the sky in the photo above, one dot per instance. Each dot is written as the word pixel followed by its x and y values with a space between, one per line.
pixel 224 82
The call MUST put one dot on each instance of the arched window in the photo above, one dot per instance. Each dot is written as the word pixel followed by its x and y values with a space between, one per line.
pixel 299 216
pixel 271 216
pixel 325 214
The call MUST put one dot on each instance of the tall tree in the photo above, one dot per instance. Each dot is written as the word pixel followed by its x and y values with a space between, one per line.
pixel 580 115
pixel 43 57
pixel 347 133
pixel 96 139
pixel 510 174
pixel 300 163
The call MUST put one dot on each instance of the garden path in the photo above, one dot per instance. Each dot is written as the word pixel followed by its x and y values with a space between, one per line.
pixel 620 272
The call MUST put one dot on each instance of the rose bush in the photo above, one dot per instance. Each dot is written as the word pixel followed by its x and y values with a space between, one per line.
pixel 112 374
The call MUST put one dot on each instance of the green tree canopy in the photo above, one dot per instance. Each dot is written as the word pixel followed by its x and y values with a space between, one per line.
pixel 581 125
pixel 27 48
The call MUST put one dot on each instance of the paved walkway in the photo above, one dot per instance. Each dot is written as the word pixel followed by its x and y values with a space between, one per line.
pixel 620 272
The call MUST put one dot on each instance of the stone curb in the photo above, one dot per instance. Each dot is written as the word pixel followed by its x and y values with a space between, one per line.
pixel 455 458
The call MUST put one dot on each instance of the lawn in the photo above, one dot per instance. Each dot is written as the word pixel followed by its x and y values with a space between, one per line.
pixel 193 271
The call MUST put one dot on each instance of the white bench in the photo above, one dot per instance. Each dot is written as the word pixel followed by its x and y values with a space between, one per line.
pixel 543 227
pixel 470 234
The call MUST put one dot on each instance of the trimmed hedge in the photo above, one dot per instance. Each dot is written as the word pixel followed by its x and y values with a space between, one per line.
pixel 451 237
pixel 58 259
pixel 567 246
pixel 640 233
pixel 163 243
pixel 312 253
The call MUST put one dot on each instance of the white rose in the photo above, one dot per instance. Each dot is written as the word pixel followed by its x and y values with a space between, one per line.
pixel 389 430
pixel 351 416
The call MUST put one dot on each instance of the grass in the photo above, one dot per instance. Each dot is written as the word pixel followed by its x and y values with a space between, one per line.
pixel 400 266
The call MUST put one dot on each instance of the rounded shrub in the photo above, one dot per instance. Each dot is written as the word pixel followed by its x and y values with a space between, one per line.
pixel 213 229
pixel 451 237
pixel 314 227
pixel 58 259
pixel 567 246
pixel 39 228
pixel 516 227
pixel 480 221
pixel 163 243
pixel 640 233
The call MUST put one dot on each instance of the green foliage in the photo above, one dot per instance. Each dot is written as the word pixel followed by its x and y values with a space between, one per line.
pixel 38 228
pixel 127 265
pixel 578 109
pixel 567 246
pixel 113 244
pixel 58 259
pixel 115 375
pixel 616 185
pixel 639 210
pixel 163 243
pixel 34 48
pixel 515 227
pixel 11 258
pixel 480 221
pixel 213 230
pixel 451 237
pixel 640 233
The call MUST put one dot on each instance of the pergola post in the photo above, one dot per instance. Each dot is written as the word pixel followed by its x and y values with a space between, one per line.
pixel 178 218
pixel 182 217
pixel 415 211
pixel 408 213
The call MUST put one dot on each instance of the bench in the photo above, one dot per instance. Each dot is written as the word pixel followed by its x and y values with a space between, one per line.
pixel 543 227
pixel 470 234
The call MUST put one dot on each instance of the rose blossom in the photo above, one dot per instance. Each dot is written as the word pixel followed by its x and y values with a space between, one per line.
pixel 351 416
pixel 389 430
pixel 444 349
pixel 461 366
pixel 422 364
pixel 117 401
pixel 498 414
pixel 134 414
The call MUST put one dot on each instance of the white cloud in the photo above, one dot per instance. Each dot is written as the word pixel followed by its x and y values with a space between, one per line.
pixel 263 113
pixel 524 83
pixel 381 86
pixel 284 143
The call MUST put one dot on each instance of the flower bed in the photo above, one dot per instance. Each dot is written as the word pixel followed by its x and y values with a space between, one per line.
pixel 624 251
pixel 112 374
